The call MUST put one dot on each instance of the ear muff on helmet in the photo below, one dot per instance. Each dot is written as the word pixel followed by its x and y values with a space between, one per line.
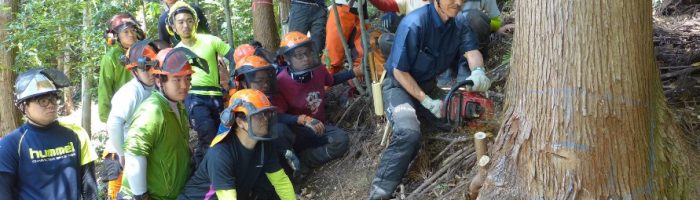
pixel 119 23
pixel 254 106
pixel 141 55
pixel 177 8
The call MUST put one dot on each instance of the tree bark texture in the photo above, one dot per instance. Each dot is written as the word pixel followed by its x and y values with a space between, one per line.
pixel 229 25
pixel 264 25
pixel 585 116
pixel 9 114
pixel 284 8
pixel 68 91
pixel 85 82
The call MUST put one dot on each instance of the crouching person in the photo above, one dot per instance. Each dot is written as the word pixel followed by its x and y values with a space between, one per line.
pixel 242 164
pixel 300 102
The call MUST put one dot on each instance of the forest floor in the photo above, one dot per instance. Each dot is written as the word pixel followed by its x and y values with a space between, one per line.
pixel 443 167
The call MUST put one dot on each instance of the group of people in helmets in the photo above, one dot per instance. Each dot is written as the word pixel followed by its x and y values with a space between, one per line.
pixel 258 130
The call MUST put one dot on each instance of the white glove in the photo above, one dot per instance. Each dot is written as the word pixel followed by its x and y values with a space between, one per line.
pixel 481 82
pixel 432 105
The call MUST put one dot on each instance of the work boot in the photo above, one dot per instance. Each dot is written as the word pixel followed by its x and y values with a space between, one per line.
pixel 378 193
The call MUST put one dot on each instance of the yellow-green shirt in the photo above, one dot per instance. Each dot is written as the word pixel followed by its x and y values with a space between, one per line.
pixel 207 47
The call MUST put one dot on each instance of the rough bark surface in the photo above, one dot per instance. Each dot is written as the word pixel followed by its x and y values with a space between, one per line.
pixel 264 25
pixel 585 116
pixel 9 115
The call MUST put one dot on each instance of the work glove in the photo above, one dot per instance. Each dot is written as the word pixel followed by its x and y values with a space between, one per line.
pixel 292 160
pixel 481 82
pixel 432 105
pixel 314 124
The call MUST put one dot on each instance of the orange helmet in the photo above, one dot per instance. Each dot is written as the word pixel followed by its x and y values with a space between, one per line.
pixel 292 40
pixel 247 72
pixel 142 54
pixel 178 62
pixel 302 71
pixel 254 105
pixel 242 51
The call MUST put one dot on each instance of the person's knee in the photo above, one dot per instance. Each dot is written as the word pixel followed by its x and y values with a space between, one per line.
pixel 338 142
pixel 404 118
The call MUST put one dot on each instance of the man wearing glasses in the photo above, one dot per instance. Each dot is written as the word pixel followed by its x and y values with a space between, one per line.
pixel 43 159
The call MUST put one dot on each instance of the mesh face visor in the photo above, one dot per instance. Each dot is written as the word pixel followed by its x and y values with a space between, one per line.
pixel 180 61
pixel 263 79
pixel 302 61
pixel 253 117
pixel 142 54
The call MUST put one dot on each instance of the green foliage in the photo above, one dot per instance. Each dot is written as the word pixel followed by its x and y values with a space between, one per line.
pixel 241 19
pixel 44 30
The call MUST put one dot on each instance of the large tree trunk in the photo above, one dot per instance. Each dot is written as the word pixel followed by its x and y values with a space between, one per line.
pixel 585 116
pixel 9 115
pixel 86 102
pixel 264 25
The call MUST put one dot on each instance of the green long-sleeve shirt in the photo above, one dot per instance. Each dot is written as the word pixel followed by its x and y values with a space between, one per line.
pixel 157 133
pixel 112 76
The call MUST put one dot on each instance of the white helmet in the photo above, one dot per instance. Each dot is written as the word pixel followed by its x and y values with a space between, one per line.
pixel 36 82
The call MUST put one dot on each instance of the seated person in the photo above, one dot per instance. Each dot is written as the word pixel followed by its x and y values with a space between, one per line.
pixel 242 165
pixel 301 92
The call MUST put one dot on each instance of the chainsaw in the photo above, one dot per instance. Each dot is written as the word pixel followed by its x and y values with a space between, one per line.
pixel 467 108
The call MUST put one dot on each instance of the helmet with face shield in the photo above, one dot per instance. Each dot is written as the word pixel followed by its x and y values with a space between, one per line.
pixel 253 107
pixel 254 72
pixel 298 50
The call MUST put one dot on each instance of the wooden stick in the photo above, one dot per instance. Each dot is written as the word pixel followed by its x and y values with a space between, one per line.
pixel 453 142
pixel 480 144
pixel 678 72
pixel 448 164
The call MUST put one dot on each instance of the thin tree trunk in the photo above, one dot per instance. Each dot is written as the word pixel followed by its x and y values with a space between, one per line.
pixel 9 115
pixel 264 25
pixel 142 18
pixel 284 7
pixel 229 26
pixel 585 115
pixel 67 92
pixel 85 81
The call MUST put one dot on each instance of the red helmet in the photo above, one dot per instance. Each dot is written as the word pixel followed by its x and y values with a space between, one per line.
pixel 178 62
pixel 119 23
pixel 142 54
